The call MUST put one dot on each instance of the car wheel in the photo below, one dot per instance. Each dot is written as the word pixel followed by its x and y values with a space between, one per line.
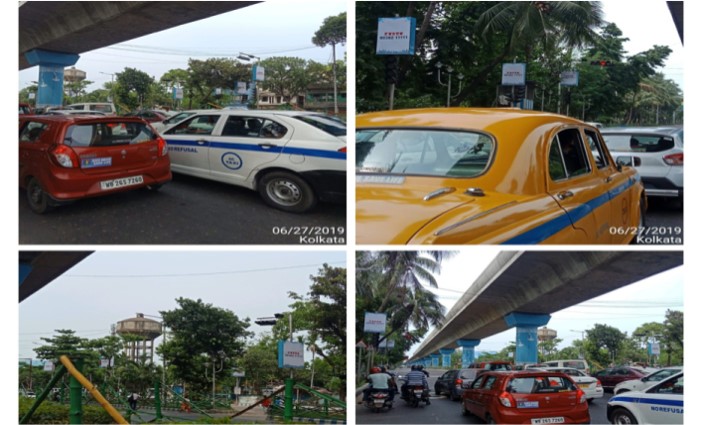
pixel 37 198
pixel 287 192
pixel 622 416
pixel 489 420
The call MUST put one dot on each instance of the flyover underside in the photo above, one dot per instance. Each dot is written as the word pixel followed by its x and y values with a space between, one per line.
pixel 82 26
pixel 45 266
pixel 540 283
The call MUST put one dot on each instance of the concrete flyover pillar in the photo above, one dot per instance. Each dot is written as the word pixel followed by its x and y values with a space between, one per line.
pixel 435 360
pixel 446 357
pixel 50 81
pixel 527 341
pixel 468 346
pixel 427 361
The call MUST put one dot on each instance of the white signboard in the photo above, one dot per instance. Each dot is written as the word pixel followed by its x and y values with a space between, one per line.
pixel 654 349
pixel 569 78
pixel 49 366
pixel 241 87
pixel 375 323
pixel 177 93
pixel 291 354
pixel 387 343
pixel 396 36
pixel 513 74
pixel 259 73
pixel 32 95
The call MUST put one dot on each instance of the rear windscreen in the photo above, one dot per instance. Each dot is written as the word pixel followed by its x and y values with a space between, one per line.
pixel 638 142
pixel 540 384
pixel 108 134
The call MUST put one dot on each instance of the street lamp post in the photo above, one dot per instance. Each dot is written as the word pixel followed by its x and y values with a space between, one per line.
pixel 449 70
pixel 247 57
pixel 221 356
pixel 112 83
pixel 582 335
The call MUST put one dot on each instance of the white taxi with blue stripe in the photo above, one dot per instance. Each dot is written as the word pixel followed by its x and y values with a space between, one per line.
pixel 660 404
pixel 292 158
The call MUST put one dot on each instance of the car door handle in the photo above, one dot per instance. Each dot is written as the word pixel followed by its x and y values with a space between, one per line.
pixel 609 179
pixel 267 145
pixel 201 142
pixel 565 194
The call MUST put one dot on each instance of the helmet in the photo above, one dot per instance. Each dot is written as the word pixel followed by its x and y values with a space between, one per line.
pixel 414 367
pixel 375 369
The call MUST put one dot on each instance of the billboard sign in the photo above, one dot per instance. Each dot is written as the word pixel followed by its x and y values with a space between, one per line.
pixel 569 78
pixel 375 323
pixel 259 73
pixel 513 74
pixel 291 354
pixel 396 36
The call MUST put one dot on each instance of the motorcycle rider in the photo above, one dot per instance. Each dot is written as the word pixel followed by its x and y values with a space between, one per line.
pixel 378 381
pixel 416 377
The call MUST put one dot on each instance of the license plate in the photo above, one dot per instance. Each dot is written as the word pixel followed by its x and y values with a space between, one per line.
pixel 379 402
pixel 583 385
pixel 557 420
pixel 117 183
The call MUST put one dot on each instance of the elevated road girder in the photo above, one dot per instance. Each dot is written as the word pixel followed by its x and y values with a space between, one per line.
pixel 74 27
pixel 540 283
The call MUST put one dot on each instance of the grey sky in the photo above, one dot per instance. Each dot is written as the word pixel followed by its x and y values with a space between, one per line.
pixel 271 28
pixel 110 286
pixel 624 309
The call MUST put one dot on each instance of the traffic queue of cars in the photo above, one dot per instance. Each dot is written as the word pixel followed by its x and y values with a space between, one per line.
pixel 539 394
pixel 293 159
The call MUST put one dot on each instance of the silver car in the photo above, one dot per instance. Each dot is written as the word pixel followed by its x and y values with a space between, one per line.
pixel 657 154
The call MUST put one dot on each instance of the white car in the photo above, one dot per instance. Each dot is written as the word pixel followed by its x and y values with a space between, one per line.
pixel 591 386
pixel 175 118
pixel 659 404
pixel 646 381
pixel 293 159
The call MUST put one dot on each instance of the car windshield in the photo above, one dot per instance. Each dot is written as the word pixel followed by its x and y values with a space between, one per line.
pixel 618 142
pixel 108 134
pixel 327 124
pixel 440 153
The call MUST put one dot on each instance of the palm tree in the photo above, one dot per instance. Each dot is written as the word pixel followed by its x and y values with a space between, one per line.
pixel 523 25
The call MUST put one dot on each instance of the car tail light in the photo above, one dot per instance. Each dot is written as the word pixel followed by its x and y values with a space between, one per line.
pixel 65 156
pixel 674 159
pixel 507 400
pixel 580 395
pixel 599 384
pixel 162 146
pixel 343 150
pixel 459 382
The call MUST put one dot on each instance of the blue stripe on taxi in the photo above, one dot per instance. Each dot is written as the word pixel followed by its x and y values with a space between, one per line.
pixel 252 147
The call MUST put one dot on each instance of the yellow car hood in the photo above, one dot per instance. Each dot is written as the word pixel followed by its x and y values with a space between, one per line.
pixel 402 213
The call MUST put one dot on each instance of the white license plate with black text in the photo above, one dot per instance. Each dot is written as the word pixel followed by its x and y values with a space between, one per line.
pixel 123 182
pixel 556 420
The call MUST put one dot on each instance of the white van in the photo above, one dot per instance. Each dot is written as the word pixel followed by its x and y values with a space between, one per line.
pixel 576 364
pixel 105 108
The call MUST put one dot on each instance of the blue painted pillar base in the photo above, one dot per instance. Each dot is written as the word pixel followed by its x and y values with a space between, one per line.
pixel 50 81
pixel 468 346
pixel 527 341
pixel 435 360
pixel 427 361
pixel 446 357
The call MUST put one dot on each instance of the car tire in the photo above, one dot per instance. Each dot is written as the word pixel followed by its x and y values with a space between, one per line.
pixel 286 191
pixel 37 198
pixel 489 420
pixel 622 416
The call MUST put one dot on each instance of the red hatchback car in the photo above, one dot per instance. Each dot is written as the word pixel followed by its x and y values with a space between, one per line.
pixel 65 158
pixel 519 397
pixel 611 376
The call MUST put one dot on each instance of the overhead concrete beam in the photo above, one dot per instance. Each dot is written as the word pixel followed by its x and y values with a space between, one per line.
pixel 82 26
pixel 540 282
pixel 39 268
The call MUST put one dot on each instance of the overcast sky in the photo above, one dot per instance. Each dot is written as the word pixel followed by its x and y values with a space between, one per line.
pixel 110 286
pixel 625 308
pixel 267 29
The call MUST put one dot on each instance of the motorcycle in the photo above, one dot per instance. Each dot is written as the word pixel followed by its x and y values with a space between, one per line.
pixel 377 400
pixel 417 394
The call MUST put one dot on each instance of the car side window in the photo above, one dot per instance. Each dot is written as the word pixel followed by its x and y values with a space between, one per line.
pixel 673 386
pixel 31 132
pixel 489 382
pixel 597 147
pixel 478 382
pixel 272 130
pixel 200 124
pixel 567 156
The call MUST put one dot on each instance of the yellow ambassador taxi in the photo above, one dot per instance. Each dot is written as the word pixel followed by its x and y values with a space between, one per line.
pixel 490 176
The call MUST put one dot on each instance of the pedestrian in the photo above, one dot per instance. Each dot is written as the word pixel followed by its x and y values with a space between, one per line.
pixel 133 397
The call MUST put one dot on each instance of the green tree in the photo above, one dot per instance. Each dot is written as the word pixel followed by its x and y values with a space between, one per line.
pixel 204 77
pixel 285 76
pixel 201 333
pixel 332 32
pixel 605 342
pixel 260 363
pixel 132 87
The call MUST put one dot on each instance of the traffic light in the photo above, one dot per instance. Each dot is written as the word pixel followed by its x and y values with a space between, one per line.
pixel 392 69
pixel 519 93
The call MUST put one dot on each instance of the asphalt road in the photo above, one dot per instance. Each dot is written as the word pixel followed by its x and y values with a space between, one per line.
pixel 444 411
pixel 188 210
pixel 664 223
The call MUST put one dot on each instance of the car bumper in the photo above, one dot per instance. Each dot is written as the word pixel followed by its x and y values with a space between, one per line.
pixel 64 185
pixel 662 187
pixel 329 185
